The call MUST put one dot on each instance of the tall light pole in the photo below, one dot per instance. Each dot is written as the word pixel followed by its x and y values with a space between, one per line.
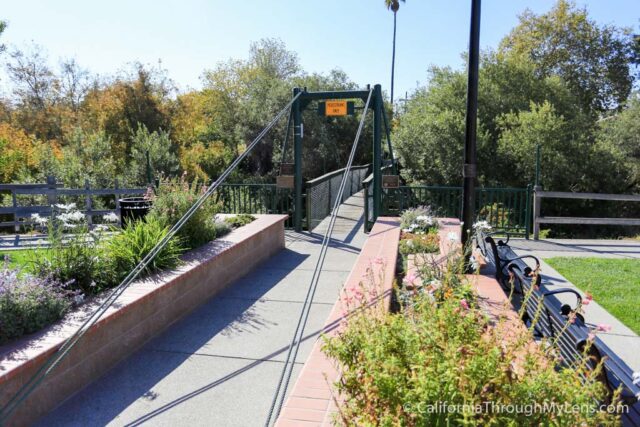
pixel 469 169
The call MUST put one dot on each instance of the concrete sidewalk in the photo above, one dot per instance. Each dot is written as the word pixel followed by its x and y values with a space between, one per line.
pixel 220 365
pixel 621 339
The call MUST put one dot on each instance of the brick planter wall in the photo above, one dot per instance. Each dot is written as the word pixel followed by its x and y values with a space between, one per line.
pixel 310 402
pixel 144 310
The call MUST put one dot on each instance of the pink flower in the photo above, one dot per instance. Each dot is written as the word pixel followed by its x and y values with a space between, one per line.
pixel 588 296
pixel 586 301
pixel 464 304
pixel 591 337
pixel 602 327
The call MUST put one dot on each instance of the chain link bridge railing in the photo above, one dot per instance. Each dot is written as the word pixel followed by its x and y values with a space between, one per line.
pixel 322 192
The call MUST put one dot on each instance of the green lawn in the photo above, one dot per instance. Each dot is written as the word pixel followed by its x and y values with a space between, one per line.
pixel 614 284
pixel 22 258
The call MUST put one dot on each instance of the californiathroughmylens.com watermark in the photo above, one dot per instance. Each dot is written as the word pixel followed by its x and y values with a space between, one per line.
pixel 526 409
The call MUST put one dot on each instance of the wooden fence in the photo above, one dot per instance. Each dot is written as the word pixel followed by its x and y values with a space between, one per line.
pixel 538 195
pixel 53 191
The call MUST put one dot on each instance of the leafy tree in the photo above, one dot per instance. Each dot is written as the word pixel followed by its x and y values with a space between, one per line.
pixel 3 26
pixel 75 81
pixel 118 108
pixel 89 155
pixel 35 92
pixel 622 131
pixel 19 153
pixel 561 154
pixel 162 154
pixel 241 96
pixel 595 60
pixel 429 136
pixel 205 161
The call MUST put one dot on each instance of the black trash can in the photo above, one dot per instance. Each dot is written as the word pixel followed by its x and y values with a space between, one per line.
pixel 133 209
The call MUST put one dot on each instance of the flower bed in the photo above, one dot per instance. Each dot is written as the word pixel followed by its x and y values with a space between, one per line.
pixel 443 358
pixel 419 232
pixel 142 311
pixel 80 262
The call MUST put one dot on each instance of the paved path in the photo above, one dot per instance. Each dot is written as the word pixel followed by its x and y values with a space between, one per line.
pixel 220 365
pixel 621 339
pixel 579 248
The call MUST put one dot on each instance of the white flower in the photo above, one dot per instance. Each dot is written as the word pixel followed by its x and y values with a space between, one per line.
pixel 66 207
pixel 425 219
pixel 110 217
pixel 409 243
pixel 452 236
pixel 474 263
pixel 406 230
pixel 482 225
pixel 39 220
pixel 71 217
pixel 78 298
pixel 101 227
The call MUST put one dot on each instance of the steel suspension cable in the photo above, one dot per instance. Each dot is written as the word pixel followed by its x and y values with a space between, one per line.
pixel 57 357
pixel 294 346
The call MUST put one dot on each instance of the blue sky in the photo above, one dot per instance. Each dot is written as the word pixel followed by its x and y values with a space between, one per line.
pixel 190 36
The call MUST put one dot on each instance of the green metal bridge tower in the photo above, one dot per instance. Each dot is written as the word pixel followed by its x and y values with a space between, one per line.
pixel 302 102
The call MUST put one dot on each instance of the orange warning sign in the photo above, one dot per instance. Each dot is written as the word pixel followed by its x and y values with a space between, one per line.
pixel 336 108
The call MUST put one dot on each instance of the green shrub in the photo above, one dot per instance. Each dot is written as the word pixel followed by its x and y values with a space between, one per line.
pixel 497 214
pixel 396 369
pixel 74 254
pixel 125 250
pixel 239 220
pixel 28 303
pixel 173 199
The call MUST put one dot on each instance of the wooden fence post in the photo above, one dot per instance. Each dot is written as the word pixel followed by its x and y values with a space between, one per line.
pixel 16 223
pixel 52 195
pixel 87 203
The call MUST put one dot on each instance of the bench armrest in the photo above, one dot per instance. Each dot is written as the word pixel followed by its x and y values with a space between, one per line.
pixel 564 291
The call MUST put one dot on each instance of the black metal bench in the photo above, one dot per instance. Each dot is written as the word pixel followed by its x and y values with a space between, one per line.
pixel 552 318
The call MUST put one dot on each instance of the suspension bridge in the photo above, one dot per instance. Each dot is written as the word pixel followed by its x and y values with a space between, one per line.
pixel 231 361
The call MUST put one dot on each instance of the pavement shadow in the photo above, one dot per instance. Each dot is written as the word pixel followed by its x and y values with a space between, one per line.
pixel 226 319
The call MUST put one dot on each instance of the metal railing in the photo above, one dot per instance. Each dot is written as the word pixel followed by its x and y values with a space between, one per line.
pixel 506 209
pixel 321 192
pixel 44 196
pixel 256 199
pixel 538 195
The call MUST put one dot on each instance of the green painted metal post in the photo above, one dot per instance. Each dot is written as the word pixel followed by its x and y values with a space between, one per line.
pixel 537 183
pixel 527 212
pixel 377 150
pixel 388 133
pixel 298 130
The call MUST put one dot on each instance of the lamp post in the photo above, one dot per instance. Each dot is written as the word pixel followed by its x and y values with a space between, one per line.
pixel 469 169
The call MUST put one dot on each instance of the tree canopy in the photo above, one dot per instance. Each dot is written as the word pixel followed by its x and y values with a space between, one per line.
pixel 558 80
